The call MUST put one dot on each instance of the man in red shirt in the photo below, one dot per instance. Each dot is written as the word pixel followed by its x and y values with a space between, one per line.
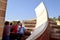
pixel 15 30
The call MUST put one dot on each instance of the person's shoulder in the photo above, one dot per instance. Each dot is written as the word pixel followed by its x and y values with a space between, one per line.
pixel 23 28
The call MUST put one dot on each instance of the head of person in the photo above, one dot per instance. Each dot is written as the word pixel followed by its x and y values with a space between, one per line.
pixel 11 24
pixel 18 23
pixel 21 24
pixel 6 23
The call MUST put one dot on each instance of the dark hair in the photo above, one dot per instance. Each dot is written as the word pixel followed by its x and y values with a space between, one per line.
pixel 10 23
pixel 7 23
pixel 21 24
pixel 18 21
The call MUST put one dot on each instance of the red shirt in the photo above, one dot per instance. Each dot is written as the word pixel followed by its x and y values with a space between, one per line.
pixel 15 29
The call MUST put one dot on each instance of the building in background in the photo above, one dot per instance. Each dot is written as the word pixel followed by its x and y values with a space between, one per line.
pixel 29 24
pixel 54 30
pixel 58 22
pixel 3 4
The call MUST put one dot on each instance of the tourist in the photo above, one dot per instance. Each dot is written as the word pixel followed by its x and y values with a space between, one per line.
pixel 11 31
pixel 15 30
pixel 6 31
pixel 21 31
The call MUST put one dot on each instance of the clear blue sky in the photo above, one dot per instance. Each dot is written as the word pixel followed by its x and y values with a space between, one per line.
pixel 24 9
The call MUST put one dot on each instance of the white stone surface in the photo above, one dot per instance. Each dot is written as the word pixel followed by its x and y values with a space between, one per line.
pixel 42 22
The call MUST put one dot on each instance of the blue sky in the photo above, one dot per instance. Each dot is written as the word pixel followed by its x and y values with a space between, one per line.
pixel 24 9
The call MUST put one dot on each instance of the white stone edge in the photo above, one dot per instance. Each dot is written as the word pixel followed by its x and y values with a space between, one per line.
pixel 37 33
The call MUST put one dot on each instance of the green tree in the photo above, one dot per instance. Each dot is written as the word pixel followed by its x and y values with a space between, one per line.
pixel 14 22
pixel 59 18
pixel 54 18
